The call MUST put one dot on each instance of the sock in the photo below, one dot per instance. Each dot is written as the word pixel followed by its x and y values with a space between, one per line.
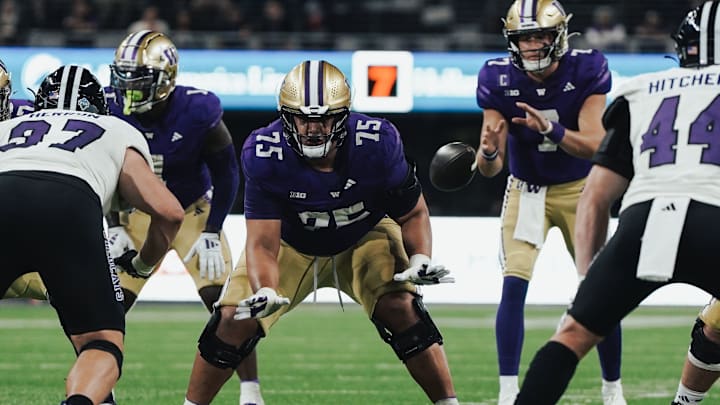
pixel 78 399
pixel 610 353
pixel 250 392
pixel 509 384
pixel 686 396
pixel 509 325
pixel 550 372
pixel 447 401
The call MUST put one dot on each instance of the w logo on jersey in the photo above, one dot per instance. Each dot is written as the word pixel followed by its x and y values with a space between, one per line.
pixel 533 188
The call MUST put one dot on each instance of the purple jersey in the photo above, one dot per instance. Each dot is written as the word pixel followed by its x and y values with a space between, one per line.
pixel 580 74
pixel 324 213
pixel 20 107
pixel 176 140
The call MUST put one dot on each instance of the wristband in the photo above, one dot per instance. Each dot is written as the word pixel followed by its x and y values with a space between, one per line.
pixel 140 266
pixel 489 156
pixel 554 132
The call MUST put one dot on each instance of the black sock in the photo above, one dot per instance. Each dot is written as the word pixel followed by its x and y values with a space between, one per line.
pixel 549 374
pixel 78 399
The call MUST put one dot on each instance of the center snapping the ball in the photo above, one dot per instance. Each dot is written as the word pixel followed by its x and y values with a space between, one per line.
pixel 453 166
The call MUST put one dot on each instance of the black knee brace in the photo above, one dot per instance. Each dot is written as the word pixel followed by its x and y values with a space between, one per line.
pixel 106 346
pixel 414 339
pixel 219 353
pixel 705 351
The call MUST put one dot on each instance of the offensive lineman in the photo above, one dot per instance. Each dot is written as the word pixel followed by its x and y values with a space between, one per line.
pixel 319 182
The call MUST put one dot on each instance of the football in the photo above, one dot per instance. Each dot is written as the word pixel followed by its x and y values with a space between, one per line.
pixel 453 166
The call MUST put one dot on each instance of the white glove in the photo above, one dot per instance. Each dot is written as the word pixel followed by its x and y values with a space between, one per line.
pixel 261 304
pixel 421 272
pixel 210 258
pixel 119 241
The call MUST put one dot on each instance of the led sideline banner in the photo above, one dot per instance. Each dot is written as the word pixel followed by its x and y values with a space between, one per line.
pixel 383 81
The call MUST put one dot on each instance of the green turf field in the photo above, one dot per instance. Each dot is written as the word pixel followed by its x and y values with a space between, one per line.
pixel 321 355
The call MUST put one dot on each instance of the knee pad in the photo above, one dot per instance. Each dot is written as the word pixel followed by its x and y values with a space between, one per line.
pixel 703 353
pixel 415 339
pixel 219 353
pixel 106 346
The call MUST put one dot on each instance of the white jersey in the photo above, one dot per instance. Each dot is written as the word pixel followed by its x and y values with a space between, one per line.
pixel 675 134
pixel 88 146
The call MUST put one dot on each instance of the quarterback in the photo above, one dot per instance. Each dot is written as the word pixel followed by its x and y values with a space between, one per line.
pixel 542 109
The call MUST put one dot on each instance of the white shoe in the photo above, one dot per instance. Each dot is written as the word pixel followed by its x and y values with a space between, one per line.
pixel 507 398
pixel 613 396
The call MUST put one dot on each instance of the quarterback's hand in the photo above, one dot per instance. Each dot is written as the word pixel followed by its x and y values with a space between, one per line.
pixel 490 138
pixel 261 304
pixel 210 258
pixel 533 119
pixel 421 272
pixel 130 263
pixel 119 241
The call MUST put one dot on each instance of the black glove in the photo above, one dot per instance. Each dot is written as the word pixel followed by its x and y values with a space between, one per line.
pixel 125 263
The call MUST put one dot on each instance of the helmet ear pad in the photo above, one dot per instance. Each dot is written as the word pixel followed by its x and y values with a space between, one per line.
pixel 71 87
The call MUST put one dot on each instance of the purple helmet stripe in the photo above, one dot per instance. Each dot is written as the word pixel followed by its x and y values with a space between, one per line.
pixel 320 87
pixel 306 80
pixel 132 43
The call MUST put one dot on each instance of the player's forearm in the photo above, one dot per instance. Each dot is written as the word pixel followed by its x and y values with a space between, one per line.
pixel 262 269
pixel 160 235
pixel 581 145
pixel 591 226
pixel 489 164
pixel 225 177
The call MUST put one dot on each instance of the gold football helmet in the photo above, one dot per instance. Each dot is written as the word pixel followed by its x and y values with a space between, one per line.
pixel 314 90
pixel 144 70
pixel 5 91
pixel 532 16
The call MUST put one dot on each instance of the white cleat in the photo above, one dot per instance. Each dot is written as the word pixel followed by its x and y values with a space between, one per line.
pixel 508 398
pixel 613 396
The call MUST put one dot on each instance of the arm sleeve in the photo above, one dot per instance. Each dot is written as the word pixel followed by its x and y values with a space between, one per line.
pixel 403 187
pixel 225 175
pixel 615 151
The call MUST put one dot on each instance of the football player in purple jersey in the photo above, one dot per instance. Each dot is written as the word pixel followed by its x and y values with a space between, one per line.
pixel 29 285
pixel 542 109
pixel 659 155
pixel 193 154
pixel 330 201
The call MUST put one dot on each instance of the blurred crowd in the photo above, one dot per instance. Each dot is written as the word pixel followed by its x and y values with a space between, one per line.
pixel 433 25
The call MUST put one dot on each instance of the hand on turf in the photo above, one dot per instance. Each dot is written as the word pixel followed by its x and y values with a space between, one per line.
pixel 119 241
pixel 422 272
pixel 261 304
pixel 210 258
